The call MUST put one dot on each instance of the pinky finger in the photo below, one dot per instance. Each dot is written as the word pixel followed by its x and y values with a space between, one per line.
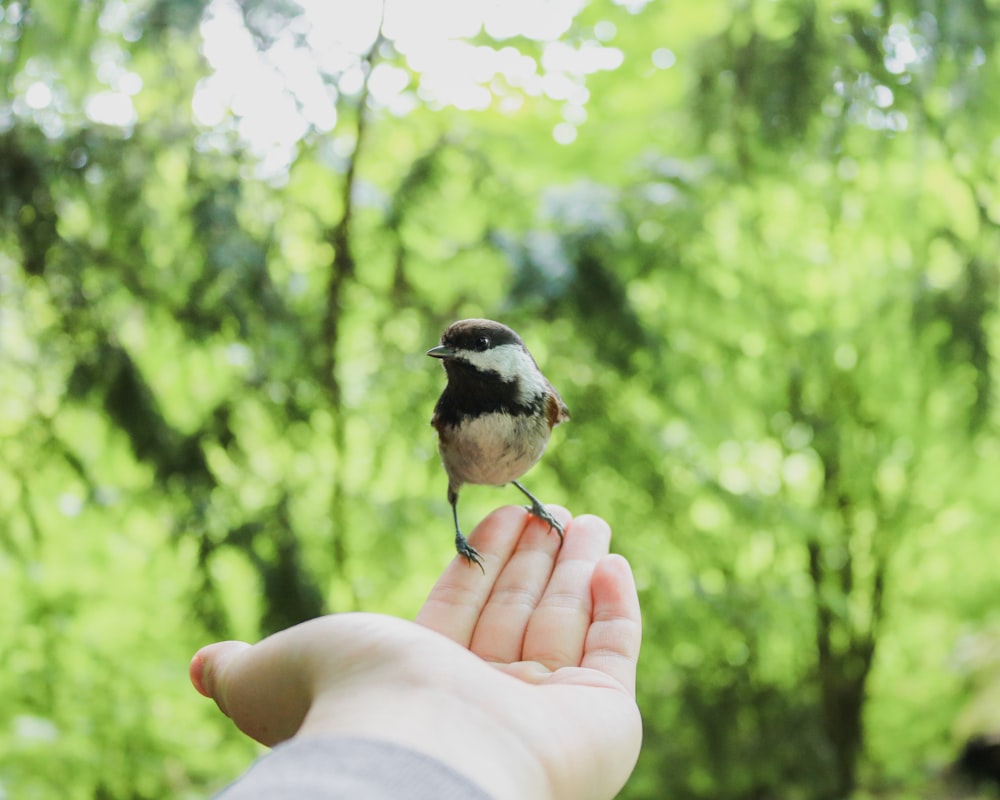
pixel 612 645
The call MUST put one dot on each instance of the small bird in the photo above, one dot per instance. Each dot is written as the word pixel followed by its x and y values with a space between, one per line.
pixel 494 417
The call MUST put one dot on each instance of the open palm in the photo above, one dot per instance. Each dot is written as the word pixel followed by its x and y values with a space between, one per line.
pixel 523 680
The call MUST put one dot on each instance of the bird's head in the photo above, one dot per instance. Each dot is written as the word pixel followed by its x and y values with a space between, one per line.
pixel 484 349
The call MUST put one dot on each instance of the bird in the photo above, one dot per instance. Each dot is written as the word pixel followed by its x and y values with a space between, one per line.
pixel 494 417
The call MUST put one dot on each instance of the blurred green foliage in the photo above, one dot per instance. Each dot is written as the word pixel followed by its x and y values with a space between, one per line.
pixel 762 269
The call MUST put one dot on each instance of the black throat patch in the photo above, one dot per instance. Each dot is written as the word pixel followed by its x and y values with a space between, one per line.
pixel 472 392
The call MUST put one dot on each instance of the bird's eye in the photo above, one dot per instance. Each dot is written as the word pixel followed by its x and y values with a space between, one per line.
pixel 483 343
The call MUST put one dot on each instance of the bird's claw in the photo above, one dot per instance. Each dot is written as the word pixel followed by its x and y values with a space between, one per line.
pixel 538 510
pixel 468 552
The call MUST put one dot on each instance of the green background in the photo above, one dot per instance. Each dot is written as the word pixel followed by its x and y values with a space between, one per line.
pixel 763 276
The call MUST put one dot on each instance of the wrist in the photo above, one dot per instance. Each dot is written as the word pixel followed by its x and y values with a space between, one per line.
pixel 461 733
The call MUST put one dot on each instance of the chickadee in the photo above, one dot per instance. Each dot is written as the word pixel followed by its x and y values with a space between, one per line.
pixel 495 415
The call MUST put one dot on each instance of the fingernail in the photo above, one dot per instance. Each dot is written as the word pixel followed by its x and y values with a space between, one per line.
pixel 196 671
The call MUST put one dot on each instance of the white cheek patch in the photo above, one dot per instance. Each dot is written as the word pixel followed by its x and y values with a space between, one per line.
pixel 508 360
pixel 512 363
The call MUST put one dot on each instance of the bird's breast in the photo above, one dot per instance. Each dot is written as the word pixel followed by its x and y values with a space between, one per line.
pixel 492 449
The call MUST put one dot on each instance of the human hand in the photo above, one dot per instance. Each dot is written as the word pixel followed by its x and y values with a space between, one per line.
pixel 523 681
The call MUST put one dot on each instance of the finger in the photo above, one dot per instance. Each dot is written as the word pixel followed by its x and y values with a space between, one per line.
pixel 615 635
pixel 457 599
pixel 557 630
pixel 499 633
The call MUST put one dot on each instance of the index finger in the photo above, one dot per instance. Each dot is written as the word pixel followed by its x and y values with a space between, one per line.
pixel 457 599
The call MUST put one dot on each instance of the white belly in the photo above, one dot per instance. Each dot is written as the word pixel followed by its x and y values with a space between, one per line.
pixel 494 452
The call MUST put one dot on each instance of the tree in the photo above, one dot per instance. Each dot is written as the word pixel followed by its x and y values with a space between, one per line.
pixel 753 245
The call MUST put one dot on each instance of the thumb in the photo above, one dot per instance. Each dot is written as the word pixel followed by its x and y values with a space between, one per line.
pixel 259 688
pixel 208 669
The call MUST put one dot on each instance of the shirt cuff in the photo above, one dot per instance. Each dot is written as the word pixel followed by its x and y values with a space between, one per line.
pixel 331 768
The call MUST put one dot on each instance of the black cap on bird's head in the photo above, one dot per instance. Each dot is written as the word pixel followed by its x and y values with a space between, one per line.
pixel 474 336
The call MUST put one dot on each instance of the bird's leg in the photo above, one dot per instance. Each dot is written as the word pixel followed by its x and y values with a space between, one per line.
pixel 466 550
pixel 537 509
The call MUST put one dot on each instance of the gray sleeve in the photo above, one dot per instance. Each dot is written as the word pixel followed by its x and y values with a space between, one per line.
pixel 340 767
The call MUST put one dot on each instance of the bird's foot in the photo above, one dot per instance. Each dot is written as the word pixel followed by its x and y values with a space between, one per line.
pixel 536 509
pixel 468 552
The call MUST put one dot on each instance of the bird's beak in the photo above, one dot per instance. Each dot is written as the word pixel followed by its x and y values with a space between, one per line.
pixel 440 352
